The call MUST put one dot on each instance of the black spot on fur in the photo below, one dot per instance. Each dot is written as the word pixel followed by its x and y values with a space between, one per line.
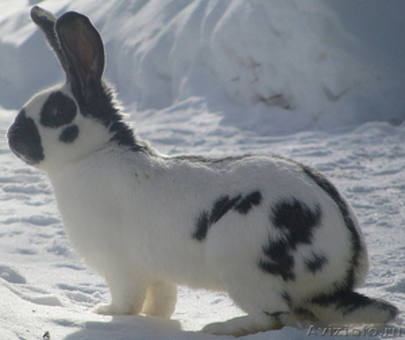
pixel 220 207
pixel 102 106
pixel 247 203
pixel 203 223
pixel 297 222
pixel 276 316
pixel 124 136
pixel 279 260
pixel 315 263
pixel 24 139
pixel 208 160
pixel 58 110
pixel 304 313
pixel 287 299
pixel 69 134
pixel 348 301
pixel 330 189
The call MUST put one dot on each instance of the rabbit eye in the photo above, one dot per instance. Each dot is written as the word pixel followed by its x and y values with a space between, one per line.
pixel 58 110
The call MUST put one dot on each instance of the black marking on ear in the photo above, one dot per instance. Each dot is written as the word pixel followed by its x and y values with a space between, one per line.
pixel 315 263
pixel 220 207
pixel 46 21
pixel 80 50
pixel 247 203
pixel 69 134
pixel 296 221
pixel 24 139
pixel 58 110
pixel 83 48
pixel 357 248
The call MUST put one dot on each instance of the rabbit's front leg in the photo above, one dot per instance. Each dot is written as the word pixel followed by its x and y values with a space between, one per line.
pixel 128 291
pixel 161 299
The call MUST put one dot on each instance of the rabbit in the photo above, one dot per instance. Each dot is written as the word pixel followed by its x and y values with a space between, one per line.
pixel 276 235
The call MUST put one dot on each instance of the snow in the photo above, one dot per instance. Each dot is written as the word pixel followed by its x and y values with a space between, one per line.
pixel 319 81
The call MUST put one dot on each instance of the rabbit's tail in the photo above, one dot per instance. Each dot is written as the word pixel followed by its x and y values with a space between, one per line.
pixel 348 307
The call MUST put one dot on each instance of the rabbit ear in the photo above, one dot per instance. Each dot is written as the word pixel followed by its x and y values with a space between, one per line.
pixel 83 50
pixel 46 21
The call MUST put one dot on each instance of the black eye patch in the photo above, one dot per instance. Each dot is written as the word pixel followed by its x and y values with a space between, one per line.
pixel 58 110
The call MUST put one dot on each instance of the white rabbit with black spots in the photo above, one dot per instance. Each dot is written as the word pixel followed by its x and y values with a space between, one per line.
pixel 274 234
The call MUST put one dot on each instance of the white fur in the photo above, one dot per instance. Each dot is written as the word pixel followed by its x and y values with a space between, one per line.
pixel 132 215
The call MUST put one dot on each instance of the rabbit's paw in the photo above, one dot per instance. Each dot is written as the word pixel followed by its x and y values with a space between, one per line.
pixel 104 309
pixel 111 309
pixel 242 326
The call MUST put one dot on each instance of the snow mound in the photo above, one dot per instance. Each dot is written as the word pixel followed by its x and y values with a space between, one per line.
pixel 313 62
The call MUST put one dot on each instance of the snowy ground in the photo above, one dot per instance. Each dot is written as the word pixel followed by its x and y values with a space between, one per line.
pixel 317 81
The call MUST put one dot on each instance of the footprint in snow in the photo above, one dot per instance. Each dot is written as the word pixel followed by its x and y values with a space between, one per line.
pixel 11 275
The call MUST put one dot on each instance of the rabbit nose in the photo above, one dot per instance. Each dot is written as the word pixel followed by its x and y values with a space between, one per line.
pixel 24 139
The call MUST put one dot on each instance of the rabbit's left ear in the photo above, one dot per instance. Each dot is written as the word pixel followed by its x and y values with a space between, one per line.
pixel 46 21
pixel 83 51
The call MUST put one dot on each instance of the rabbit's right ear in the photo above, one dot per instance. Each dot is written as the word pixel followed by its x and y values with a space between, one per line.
pixel 46 21
pixel 79 48
pixel 83 49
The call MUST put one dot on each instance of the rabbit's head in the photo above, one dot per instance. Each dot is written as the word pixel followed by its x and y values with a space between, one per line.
pixel 67 122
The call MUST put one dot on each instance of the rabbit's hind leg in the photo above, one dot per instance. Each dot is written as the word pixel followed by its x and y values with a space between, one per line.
pixel 267 311
pixel 251 323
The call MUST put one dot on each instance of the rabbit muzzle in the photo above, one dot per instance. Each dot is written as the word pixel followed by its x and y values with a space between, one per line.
pixel 24 139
